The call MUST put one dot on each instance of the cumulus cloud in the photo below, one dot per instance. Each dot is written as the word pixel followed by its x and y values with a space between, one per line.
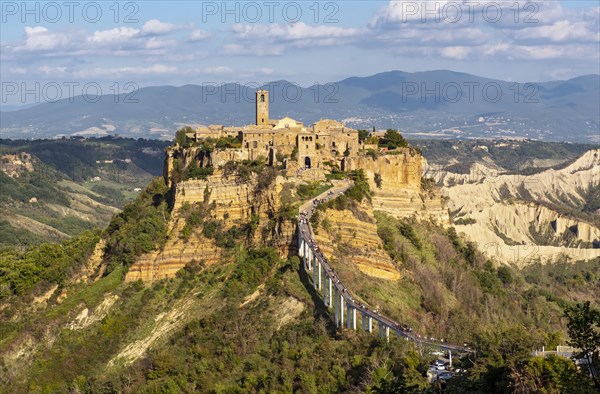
pixel 455 53
pixel 154 26
pixel 39 38
pixel 563 31
pixel 445 13
pixel 198 35
pixel 462 29
pixel 117 34
pixel 545 32
pixel 276 39
pixel 292 32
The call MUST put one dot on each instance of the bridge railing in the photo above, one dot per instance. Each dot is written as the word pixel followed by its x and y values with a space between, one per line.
pixel 337 296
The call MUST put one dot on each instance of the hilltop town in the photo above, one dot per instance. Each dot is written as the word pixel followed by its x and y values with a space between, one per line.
pixel 310 152
pixel 255 172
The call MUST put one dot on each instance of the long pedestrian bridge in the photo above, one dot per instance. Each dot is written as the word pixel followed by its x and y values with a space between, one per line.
pixel 347 311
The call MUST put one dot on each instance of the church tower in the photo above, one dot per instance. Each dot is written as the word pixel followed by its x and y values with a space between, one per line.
pixel 262 107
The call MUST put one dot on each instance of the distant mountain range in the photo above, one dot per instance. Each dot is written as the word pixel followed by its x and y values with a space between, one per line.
pixel 434 103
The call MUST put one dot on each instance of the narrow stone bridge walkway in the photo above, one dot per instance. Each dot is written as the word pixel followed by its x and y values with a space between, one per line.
pixel 346 310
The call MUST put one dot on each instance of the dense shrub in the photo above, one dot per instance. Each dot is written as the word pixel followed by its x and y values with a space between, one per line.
pixel 140 228
pixel 20 271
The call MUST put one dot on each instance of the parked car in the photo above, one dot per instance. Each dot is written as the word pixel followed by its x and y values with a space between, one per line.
pixel 445 375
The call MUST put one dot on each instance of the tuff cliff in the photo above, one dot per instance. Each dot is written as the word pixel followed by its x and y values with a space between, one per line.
pixel 233 203
pixel 396 182
pixel 236 200
pixel 351 238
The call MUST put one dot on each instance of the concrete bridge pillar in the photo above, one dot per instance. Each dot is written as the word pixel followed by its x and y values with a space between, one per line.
pixel 303 252
pixel 354 319
pixel 341 310
pixel 387 333
pixel 348 317
pixel 330 292
pixel 336 308
pixel 364 322
pixel 320 268
pixel 379 329
pixel 370 324
pixel 325 294
pixel 314 272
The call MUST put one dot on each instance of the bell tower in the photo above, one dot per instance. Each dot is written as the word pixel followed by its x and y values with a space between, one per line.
pixel 262 107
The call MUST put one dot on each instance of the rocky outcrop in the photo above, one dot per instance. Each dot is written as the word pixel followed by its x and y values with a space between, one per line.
pixel 513 217
pixel 355 241
pixel 235 203
pixel 395 181
pixel 15 165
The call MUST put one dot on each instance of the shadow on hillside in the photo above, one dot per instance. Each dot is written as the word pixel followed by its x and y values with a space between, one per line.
pixel 320 310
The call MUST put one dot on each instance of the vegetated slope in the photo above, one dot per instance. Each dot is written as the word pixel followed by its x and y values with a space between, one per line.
pixel 445 287
pixel 251 322
pixel 54 189
pixel 523 213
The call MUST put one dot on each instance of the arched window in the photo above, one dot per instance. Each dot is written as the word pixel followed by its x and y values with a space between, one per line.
pixel 307 163
pixel 262 98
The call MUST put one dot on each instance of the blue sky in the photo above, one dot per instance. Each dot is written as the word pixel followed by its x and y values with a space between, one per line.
pixel 194 42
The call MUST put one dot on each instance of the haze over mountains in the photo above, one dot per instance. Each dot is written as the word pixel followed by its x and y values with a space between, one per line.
pixel 434 103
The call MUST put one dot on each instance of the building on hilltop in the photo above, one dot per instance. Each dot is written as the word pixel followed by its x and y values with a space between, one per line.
pixel 324 141
pixel 311 152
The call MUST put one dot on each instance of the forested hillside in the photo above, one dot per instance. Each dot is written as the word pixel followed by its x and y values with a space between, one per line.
pixel 55 189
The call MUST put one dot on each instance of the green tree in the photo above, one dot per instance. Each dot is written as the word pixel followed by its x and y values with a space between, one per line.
pixel 181 137
pixel 393 139
pixel 584 333
pixel 362 135
pixel 505 275
pixel 551 374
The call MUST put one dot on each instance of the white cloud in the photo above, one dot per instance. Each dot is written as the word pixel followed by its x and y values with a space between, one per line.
pixel 256 49
pixel 115 72
pixel 541 30
pixel 49 70
pixel 17 70
pixel 198 35
pixel 455 53
pixel 561 31
pixel 158 43
pixel 275 39
pixel 445 13
pixel 292 32
pixel 218 70
pixel 154 26
pixel 39 38
pixel 117 34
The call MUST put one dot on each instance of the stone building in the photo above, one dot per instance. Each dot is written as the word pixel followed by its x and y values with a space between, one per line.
pixel 325 140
